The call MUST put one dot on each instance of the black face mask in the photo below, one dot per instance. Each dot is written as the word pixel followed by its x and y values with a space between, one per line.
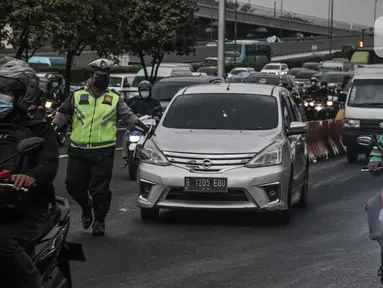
pixel 101 83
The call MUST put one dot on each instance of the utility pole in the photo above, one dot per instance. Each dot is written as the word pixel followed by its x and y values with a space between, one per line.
pixel 332 24
pixel 235 30
pixel 275 8
pixel 376 4
pixel 221 37
pixel 329 18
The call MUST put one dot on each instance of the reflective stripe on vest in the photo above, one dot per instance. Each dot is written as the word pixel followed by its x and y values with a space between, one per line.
pixel 94 120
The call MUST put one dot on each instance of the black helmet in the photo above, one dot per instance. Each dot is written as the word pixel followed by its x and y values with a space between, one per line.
pixel 313 79
pixel 144 86
pixel 19 86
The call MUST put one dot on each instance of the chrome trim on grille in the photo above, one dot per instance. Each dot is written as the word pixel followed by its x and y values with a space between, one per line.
pixel 219 162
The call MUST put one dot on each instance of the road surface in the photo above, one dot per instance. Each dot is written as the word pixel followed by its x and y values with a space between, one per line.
pixel 325 245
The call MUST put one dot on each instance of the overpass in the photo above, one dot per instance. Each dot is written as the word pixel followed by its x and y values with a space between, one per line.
pixel 258 16
pixel 278 49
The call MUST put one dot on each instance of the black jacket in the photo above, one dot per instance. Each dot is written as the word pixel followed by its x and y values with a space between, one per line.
pixel 43 166
pixel 147 106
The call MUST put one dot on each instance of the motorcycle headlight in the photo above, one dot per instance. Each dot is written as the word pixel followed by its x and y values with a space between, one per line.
pixel 318 108
pixel 312 104
pixel 329 103
pixel 351 123
pixel 155 156
pixel 48 104
pixel 134 138
pixel 306 104
pixel 270 156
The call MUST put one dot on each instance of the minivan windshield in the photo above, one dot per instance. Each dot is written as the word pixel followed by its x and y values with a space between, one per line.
pixel 272 67
pixel 165 91
pixel 366 93
pixel 263 79
pixel 223 112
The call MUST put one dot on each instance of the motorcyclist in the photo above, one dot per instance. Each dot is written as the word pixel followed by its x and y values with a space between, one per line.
pixel 94 112
pixel 322 92
pixel 21 224
pixel 374 205
pixel 144 104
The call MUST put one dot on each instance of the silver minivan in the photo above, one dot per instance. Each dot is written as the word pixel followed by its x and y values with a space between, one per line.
pixel 226 147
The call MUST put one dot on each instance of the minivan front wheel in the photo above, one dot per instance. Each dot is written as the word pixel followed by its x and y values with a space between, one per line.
pixel 284 216
pixel 352 154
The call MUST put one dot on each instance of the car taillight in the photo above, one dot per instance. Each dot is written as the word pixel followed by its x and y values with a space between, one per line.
pixel 5 174
pixel 360 66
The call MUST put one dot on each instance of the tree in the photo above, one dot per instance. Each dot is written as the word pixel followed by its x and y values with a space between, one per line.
pixel 246 8
pixel 160 27
pixel 76 24
pixel 26 18
pixel 231 5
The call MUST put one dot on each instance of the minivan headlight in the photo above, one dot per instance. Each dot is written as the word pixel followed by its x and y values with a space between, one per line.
pixel 155 156
pixel 270 156
pixel 351 123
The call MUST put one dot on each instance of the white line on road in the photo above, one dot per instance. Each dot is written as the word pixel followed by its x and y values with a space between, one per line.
pixel 65 155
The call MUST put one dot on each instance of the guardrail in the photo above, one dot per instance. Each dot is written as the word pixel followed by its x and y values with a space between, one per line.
pixel 276 13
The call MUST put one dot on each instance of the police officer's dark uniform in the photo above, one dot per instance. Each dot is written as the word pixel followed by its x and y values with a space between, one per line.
pixel 94 111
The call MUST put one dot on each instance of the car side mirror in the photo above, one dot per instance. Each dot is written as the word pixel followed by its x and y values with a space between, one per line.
pixel 29 144
pixel 126 85
pixel 297 128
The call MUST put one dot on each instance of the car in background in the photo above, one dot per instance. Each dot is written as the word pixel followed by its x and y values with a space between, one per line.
pixel 209 70
pixel 336 77
pixel 164 70
pixel 340 66
pixel 312 66
pixel 210 61
pixel 216 147
pixel 294 71
pixel 275 68
pixel 165 89
pixel 366 55
pixel 304 77
pixel 238 70
pixel 47 61
pixel 121 83
pixel 199 74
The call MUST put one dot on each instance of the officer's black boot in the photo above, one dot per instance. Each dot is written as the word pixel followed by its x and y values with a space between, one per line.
pixel 87 217
pixel 101 205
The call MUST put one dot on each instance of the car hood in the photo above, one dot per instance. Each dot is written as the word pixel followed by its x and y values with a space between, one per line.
pixel 213 141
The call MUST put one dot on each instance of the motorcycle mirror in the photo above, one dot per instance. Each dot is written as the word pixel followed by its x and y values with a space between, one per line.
pixel 140 152
pixel 365 141
pixel 25 146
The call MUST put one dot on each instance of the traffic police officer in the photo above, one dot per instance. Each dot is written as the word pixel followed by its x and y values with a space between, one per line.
pixel 94 112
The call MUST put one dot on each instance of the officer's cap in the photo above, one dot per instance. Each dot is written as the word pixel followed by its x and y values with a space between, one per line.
pixel 101 66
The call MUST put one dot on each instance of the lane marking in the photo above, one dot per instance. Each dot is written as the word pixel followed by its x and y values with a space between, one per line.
pixel 65 155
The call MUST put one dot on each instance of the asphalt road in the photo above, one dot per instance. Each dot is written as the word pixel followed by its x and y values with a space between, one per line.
pixel 325 245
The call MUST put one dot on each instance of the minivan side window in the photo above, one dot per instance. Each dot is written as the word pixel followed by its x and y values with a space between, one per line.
pixel 286 112
pixel 296 114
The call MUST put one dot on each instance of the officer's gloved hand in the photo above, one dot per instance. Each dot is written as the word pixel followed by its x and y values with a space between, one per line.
pixel 141 127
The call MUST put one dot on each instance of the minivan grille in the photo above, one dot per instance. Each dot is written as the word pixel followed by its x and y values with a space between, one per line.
pixel 233 195
pixel 208 162
pixel 372 125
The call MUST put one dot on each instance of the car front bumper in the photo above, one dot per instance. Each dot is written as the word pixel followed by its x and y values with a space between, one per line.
pixel 163 187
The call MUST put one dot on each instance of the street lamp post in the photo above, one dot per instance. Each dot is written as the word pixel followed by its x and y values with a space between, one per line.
pixel 331 24
pixel 281 22
pixel 221 37
pixel 376 4
pixel 235 29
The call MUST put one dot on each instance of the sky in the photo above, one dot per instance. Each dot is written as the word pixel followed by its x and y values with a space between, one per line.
pixel 354 11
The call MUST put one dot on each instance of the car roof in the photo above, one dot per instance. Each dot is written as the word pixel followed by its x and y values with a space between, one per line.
pixel 369 76
pixel 197 79
pixel 338 73
pixel 234 88
pixel 122 74
pixel 314 63
pixel 299 68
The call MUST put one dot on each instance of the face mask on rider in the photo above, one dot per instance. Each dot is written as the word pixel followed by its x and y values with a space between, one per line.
pixel 144 93
pixel 313 83
pixel 101 82
pixel 6 105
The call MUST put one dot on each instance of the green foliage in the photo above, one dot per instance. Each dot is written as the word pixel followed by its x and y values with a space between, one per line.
pixel 158 27
pixel 246 8
pixel 27 18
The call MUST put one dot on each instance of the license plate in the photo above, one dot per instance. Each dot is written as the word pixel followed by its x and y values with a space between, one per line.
pixel 132 146
pixel 201 184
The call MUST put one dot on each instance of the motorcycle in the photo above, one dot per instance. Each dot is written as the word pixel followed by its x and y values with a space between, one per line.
pixel 50 251
pixel 51 110
pixel 132 138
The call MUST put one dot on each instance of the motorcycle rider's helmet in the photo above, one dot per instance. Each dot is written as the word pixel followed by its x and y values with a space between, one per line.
pixel 19 88
pixel 145 89
pixel 313 81
pixel 324 85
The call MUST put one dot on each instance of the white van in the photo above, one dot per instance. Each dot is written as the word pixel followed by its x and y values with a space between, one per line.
pixel 165 70
pixel 335 65
pixel 363 111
